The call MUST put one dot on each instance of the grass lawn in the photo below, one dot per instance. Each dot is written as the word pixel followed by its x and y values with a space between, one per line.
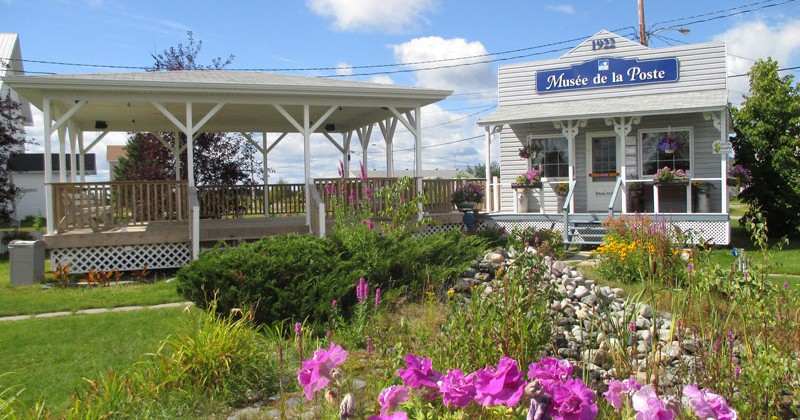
pixel 49 357
pixel 20 300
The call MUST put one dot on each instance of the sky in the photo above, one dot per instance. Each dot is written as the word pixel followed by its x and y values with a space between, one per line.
pixel 349 38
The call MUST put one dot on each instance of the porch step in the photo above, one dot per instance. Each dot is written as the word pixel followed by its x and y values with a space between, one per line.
pixel 585 233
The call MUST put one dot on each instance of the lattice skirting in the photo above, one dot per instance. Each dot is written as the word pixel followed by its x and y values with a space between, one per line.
pixel 717 232
pixel 123 257
pixel 494 224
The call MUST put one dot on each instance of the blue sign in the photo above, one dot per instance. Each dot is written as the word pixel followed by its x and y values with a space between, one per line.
pixel 607 72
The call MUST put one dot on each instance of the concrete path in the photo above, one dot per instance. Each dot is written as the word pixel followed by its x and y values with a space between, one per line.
pixel 96 311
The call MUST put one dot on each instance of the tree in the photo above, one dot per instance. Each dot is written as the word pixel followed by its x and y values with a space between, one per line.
pixel 219 158
pixel 12 139
pixel 767 142
pixel 479 170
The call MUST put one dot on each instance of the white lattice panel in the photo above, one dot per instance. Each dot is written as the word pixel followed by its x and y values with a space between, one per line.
pixel 718 232
pixel 510 226
pixel 123 257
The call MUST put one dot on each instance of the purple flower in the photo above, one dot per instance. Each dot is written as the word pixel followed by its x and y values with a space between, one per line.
pixel 786 285
pixel 369 345
pixel 330 189
pixel 499 385
pixel 398 415
pixel 457 390
pixel 573 400
pixel 706 404
pixel 370 225
pixel 298 329
pixel 737 370
pixel 333 304
pixel 391 397
pixel 550 371
pixel 341 168
pixel 632 326
pixel 363 171
pixel 616 389
pixel 315 372
pixel 368 192
pixel 419 373
pixel 648 406
pixel 377 297
pixel 362 290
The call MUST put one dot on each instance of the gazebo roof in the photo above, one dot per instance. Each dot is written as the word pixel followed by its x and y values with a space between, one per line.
pixel 124 100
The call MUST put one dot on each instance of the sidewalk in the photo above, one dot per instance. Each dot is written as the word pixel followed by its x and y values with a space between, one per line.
pixel 96 311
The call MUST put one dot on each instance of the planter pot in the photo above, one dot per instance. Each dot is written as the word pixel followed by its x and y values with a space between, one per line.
pixel 672 183
pixel 522 197
pixel 560 198
pixel 518 186
pixel 466 205
pixel 669 151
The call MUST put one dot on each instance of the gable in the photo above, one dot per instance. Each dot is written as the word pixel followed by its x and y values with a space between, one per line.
pixel 604 41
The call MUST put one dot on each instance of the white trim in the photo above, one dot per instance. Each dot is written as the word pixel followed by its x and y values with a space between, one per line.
pixel 640 154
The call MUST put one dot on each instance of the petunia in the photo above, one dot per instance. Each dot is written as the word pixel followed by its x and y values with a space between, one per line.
pixel 391 397
pixel 419 373
pixel 315 372
pixel 550 371
pixel 397 415
pixel 500 385
pixel 708 405
pixel 573 400
pixel 648 406
pixel 457 389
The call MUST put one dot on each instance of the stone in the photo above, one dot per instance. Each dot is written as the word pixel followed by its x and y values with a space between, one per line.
pixel 646 311
pixel 569 311
pixel 689 346
pixel 483 277
pixel 590 300
pixel 470 273
pixel 581 314
pixel 463 286
pixel 664 335
pixel 558 267
pixel 563 321
pixel 581 291
pixel 359 383
pixel 643 323
pixel 555 306
pixel 494 258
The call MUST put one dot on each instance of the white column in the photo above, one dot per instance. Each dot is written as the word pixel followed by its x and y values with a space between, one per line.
pixel 307 160
pixel 48 166
pixel 176 151
pixel 81 157
pixel 347 138
pixel 487 160
pixel 62 156
pixel 189 146
pixel 264 153
pixel 418 154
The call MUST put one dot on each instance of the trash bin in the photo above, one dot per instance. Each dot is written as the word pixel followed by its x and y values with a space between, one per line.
pixel 27 262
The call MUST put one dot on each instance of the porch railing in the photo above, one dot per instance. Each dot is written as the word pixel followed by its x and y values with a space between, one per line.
pixel 102 205
pixel 243 200
pixel 439 192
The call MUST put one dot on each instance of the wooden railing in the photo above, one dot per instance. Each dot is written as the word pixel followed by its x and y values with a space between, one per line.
pixel 241 200
pixel 439 192
pixel 103 205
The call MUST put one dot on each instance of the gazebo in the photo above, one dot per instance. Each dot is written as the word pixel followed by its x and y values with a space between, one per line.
pixel 102 222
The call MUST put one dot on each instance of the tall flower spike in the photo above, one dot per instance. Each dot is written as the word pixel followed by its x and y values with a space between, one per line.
pixel 363 171
pixel 341 168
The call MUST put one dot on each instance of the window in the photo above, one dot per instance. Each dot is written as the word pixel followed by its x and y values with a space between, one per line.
pixel 553 156
pixel 670 148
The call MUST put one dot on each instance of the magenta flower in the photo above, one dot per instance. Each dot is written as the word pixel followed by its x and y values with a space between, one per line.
pixel 550 371
pixel 498 385
pixel 614 394
pixel 397 415
pixel 648 406
pixel 298 329
pixel 369 345
pixel 419 373
pixel 377 297
pixel 573 400
pixel 457 390
pixel 363 171
pixel 368 192
pixel 333 304
pixel 341 168
pixel 392 397
pixel 330 189
pixel 315 372
pixel 362 290
pixel 370 225
pixel 707 405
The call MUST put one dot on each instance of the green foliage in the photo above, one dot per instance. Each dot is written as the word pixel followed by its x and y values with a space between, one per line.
pixel 12 139
pixel 399 213
pixel 548 242
pixel 510 319
pixel 215 363
pixel 767 139
pixel 286 277
pixel 9 405
pixel 640 250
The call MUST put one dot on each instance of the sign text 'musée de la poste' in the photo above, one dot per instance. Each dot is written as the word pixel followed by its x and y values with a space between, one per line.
pixel 607 72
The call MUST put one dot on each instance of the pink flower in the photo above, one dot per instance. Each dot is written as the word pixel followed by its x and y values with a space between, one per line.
pixel 550 371
pixel 377 297
pixel 298 329
pixel 330 189
pixel 573 400
pixel 397 415
pixel 341 168
pixel 499 385
pixel 362 290
pixel 457 390
pixel 391 397
pixel 707 405
pixel 616 389
pixel 369 345
pixel 363 171
pixel 419 373
pixel 315 372
pixel 333 304
pixel 368 192
pixel 648 406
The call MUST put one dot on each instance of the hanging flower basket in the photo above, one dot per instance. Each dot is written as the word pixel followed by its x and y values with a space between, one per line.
pixel 529 150
pixel 530 179
pixel 668 145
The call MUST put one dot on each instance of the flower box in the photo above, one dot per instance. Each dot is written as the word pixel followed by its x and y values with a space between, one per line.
pixel 672 183
pixel 520 185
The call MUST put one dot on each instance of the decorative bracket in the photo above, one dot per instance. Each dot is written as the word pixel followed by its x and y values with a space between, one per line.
pixel 569 128
pixel 623 126
pixel 716 119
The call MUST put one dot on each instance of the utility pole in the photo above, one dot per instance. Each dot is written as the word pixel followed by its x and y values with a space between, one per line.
pixel 642 30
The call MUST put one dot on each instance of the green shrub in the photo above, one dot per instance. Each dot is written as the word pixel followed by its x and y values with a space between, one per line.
pixel 282 277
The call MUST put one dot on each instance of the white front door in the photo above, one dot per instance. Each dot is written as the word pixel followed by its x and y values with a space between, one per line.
pixel 602 169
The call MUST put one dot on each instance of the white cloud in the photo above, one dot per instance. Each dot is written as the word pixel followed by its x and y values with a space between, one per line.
pixel 382 79
pixel 392 16
pixel 458 75
pixel 344 69
pixel 562 8
pixel 752 41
